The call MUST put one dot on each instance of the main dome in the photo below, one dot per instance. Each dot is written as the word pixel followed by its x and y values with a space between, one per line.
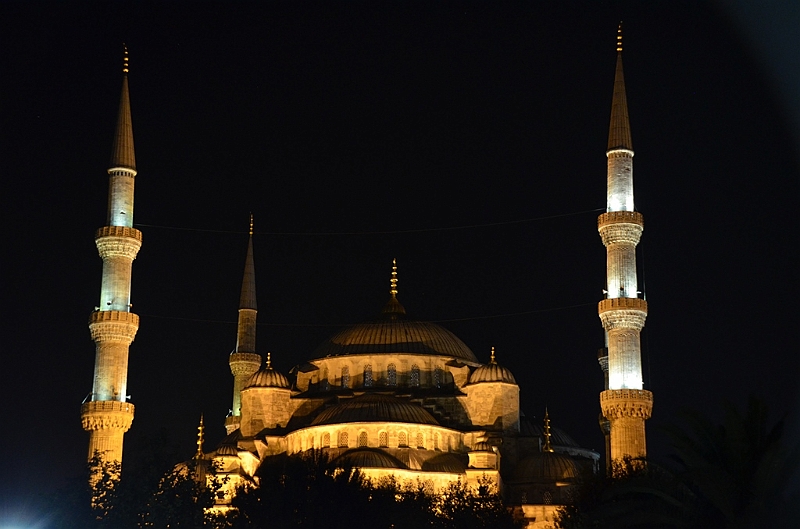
pixel 393 333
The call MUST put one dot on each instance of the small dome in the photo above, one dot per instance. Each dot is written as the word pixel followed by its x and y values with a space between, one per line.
pixel 545 467
pixel 375 408
pixel 482 446
pixel 491 372
pixel 227 450
pixel 367 458
pixel 267 378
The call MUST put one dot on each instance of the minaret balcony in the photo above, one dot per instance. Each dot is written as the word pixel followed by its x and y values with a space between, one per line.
pixel 627 313
pixel 621 403
pixel 620 227
pixel 107 414
pixel 113 326
pixel 118 241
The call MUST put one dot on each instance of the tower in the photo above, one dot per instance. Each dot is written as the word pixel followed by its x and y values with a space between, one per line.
pixel 243 360
pixel 624 403
pixel 107 414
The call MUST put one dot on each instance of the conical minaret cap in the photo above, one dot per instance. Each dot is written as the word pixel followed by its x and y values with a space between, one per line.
pixel 122 154
pixel 619 131
pixel 248 298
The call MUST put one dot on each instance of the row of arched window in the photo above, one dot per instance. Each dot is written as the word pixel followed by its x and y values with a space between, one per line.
pixel 391 376
pixel 343 440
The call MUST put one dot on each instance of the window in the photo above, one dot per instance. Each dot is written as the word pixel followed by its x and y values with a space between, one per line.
pixel 547 497
pixel 368 375
pixel 437 377
pixel 363 440
pixel 436 441
pixel 415 376
pixel 326 440
pixel 420 440
pixel 391 375
pixel 383 440
pixel 345 377
pixel 343 441
pixel 402 440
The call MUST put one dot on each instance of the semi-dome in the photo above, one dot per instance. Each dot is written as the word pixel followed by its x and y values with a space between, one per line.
pixel 267 377
pixel 545 467
pixel 446 462
pixel 227 450
pixel 392 332
pixel 492 372
pixel 375 408
pixel 367 458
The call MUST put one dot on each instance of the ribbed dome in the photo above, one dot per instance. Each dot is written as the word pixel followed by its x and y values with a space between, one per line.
pixel 267 378
pixel 545 467
pixel 482 446
pixel 227 450
pixel 491 372
pixel 375 408
pixel 367 458
pixel 444 463
pixel 393 333
pixel 558 437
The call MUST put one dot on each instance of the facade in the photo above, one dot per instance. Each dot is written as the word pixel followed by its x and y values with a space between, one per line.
pixel 392 396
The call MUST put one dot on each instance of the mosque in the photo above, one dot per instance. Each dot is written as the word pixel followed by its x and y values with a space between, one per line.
pixel 392 396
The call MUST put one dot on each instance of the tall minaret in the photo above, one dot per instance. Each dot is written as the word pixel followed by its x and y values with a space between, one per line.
pixel 243 360
pixel 106 414
pixel 624 403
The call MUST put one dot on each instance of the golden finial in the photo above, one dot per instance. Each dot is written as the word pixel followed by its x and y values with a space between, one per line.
pixel 269 360
pixel 200 432
pixel 547 447
pixel 491 360
pixel 393 291
pixel 619 36
pixel 124 58
pixel 251 224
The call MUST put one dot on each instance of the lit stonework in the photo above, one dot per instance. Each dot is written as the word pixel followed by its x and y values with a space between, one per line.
pixel 625 404
pixel 107 415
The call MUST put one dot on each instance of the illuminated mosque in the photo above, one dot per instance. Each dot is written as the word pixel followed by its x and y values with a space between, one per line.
pixel 393 396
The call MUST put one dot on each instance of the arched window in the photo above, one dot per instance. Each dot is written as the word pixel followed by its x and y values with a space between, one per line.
pixel 436 441
pixel 391 375
pixel 323 382
pixel 420 440
pixel 363 440
pixel 343 441
pixel 437 377
pixel 368 375
pixel 383 440
pixel 326 440
pixel 345 377
pixel 414 376
pixel 402 440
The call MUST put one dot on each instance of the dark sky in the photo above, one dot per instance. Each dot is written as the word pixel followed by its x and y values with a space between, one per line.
pixel 465 139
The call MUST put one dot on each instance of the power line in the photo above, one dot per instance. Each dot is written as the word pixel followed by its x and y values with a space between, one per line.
pixel 339 325
pixel 386 232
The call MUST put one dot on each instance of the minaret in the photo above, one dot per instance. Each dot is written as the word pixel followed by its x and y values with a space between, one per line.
pixel 243 360
pixel 625 404
pixel 106 414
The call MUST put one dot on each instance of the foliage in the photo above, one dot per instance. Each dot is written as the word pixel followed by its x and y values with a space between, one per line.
pixel 728 475
pixel 307 491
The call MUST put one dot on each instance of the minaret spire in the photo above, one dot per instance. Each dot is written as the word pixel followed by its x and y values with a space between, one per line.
pixel 624 403
pixel 107 414
pixel 200 438
pixel 243 360
pixel 547 435
pixel 393 308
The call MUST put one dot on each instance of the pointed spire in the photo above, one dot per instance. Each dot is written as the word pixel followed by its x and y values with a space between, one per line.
pixel 269 360
pixel 492 359
pixel 200 439
pixel 547 446
pixel 248 298
pixel 122 154
pixel 619 131
pixel 393 308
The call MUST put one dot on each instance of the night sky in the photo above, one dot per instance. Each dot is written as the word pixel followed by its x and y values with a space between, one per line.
pixel 467 140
